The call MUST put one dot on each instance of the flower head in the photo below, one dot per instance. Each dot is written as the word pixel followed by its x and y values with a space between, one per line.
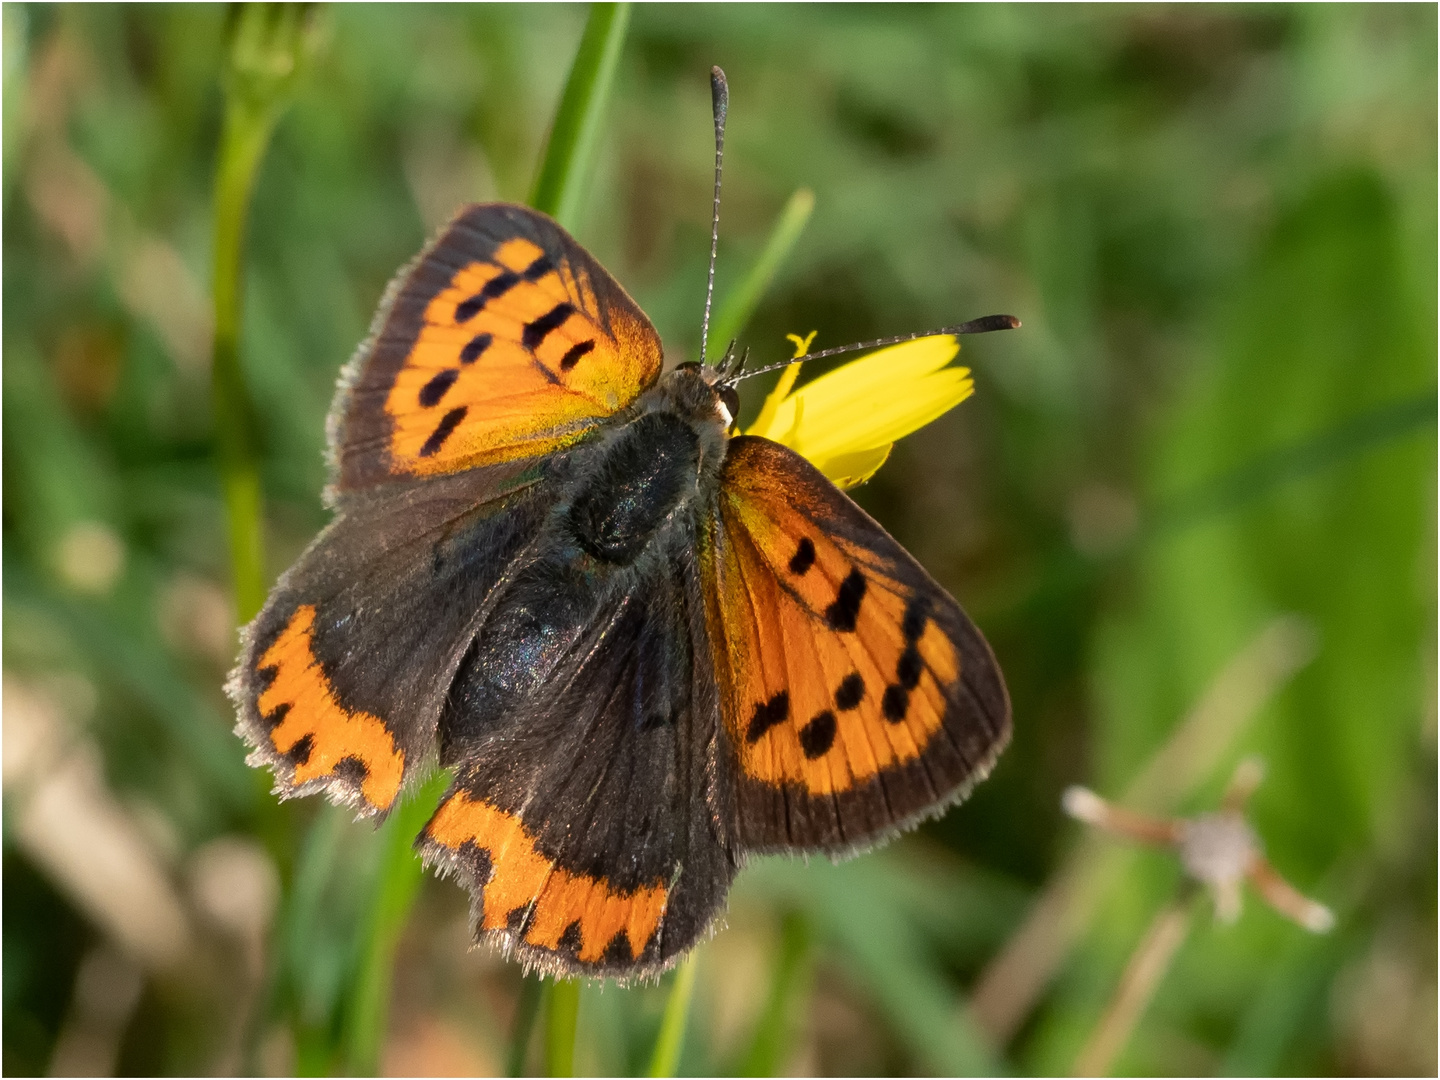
pixel 1219 850
pixel 846 421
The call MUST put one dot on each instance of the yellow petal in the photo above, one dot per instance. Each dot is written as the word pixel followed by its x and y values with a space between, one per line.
pixel 848 470
pixel 846 421
pixel 765 422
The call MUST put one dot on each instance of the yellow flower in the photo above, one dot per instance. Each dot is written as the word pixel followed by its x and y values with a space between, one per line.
pixel 847 421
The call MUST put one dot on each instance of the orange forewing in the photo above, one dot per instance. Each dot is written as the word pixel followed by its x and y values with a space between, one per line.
pixel 528 895
pixel 505 340
pixel 833 672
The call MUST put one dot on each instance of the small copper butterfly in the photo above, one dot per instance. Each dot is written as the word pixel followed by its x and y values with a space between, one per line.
pixel 646 646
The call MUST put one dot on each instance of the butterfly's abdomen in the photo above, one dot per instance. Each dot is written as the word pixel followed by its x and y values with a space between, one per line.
pixel 624 494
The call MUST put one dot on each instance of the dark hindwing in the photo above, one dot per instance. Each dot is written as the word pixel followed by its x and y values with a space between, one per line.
pixel 857 696
pixel 342 675
pixel 583 726
pixel 504 339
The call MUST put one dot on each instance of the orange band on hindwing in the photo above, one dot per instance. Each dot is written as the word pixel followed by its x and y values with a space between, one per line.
pixel 521 877
pixel 300 703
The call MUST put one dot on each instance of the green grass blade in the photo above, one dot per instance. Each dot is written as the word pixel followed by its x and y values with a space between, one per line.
pixel 672 1026
pixel 397 883
pixel 561 1013
pixel 740 302
pixel 766 1054
pixel 570 152
pixel 268 48
pixel 527 1009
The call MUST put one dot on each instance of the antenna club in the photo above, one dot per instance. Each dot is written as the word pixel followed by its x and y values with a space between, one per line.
pixel 719 94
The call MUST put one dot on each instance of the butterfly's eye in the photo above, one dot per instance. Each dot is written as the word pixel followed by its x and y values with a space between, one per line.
pixel 730 398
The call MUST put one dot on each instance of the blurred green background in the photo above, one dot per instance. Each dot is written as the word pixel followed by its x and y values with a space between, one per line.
pixel 1204 466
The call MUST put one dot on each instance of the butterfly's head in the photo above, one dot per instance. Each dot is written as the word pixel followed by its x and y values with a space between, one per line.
pixel 712 389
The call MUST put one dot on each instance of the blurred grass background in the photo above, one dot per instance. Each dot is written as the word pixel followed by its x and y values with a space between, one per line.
pixel 1219 228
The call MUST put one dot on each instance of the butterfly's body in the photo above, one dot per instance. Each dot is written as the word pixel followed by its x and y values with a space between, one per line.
pixel 645 648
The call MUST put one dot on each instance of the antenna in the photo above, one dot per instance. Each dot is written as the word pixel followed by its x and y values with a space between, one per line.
pixel 720 102
pixel 983 325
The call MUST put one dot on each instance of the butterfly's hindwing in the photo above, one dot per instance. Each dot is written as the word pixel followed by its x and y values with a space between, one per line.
pixel 857 695
pixel 582 727
pixel 342 675
pixel 505 339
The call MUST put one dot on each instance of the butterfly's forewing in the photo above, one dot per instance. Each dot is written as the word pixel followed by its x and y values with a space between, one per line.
pixel 503 343
pixel 342 675
pixel 584 815
pixel 503 340
pixel 857 696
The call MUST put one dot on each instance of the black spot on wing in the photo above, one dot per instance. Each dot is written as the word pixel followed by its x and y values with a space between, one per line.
pixel 910 667
pixel 843 613
pixel 571 940
pixel 351 770
pixel 818 735
pixel 300 753
pixel 539 268
pixel 276 715
pixel 767 715
pixel 475 347
pixel 917 614
pixel 804 557
pixel 895 703
pixel 850 692
pixel 478 859
pixel 434 390
pixel 448 423
pixel 496 287
pixel 537 331
pixel 618 951
pixel 574 353
pixel 518 920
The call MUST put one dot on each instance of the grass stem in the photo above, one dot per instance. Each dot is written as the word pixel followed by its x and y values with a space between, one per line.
pixel 570 152
pixel 267 47
pixel 1146 967
pixel 561 1014
pixel 532 992
pixel 243 140
pixel 771 1042
pixel 397 882
pixel 740 302
pixel 671 1039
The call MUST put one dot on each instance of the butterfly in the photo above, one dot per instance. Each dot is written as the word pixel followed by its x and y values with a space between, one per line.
pixel 647 647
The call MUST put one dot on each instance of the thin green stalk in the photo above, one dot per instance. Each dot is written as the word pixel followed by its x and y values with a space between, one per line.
pixel 242 146
pixel 527 1009
pixel 672 1026
pixel 294 927
pixel 267 48
pixel 397 882
pixel 771 1041
pixel 570 153
pixel 740 302
pixel 562 1011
